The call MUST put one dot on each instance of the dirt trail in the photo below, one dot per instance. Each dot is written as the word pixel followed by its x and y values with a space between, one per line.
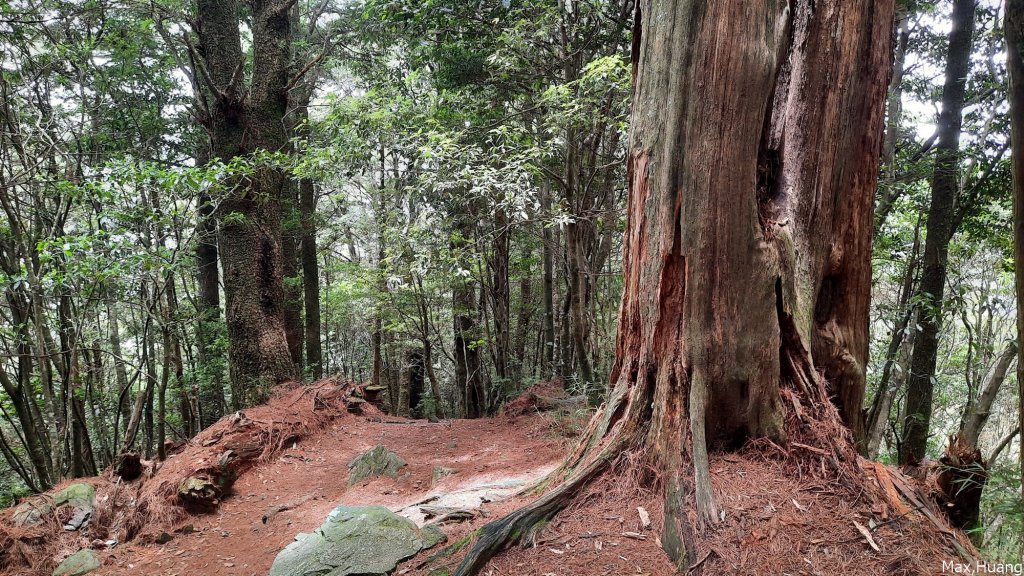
pixel 498 456
pixel 780 513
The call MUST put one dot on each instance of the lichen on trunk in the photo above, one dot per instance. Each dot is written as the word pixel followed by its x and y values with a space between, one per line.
pixel 244 123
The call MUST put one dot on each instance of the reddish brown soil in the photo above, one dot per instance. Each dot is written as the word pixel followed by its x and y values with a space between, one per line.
pixel 313 476
pixel 780 517
pixel 775 523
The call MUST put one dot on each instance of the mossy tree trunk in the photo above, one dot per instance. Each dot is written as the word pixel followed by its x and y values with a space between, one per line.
pixel 242 122
pixel 756 133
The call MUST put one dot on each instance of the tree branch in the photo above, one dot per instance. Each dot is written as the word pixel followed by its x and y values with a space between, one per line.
pixel 1003 443
pixel 200 65
pixel 303 71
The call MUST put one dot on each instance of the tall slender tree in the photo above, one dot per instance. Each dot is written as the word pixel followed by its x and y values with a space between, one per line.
pixel 940 227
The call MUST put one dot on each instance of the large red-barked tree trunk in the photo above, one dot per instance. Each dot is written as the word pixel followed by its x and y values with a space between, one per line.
pixel 756 131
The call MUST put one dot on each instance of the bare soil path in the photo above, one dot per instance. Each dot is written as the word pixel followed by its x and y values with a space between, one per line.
pixel 296 490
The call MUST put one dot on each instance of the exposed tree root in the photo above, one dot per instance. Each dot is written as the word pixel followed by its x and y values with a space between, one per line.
pixel 814 440
pixel 604 437
pixel 523 524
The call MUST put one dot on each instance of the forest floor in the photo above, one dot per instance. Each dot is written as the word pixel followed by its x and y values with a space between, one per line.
pixel 778 517
pixel 311 478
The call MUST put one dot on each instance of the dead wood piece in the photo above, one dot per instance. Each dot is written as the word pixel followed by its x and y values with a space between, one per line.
pixel 962 474
pixel 449 514
pixel 199 494
pixel 645 517
pixel 882 473
pixel 911 495
pixel 272 511
pixel 867 536
pixel 241 451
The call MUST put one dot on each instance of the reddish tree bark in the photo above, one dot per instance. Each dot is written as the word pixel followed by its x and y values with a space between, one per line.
pixel 755 138
pixel 1014 27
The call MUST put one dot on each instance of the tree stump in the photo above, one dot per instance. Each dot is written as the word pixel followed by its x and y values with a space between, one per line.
pixel 961 481
pixel 128 466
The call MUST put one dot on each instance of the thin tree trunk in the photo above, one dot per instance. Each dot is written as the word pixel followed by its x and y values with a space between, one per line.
pixel 405 377
pixel 435 388
pixel 1002 444
pixel 291 252
pixel 945 187
pixel 135 419
pixel 467 340
pixel 161 399
pixel 979 411
pixel 43 350
pixel 292 223
pixel 467 334
pixel 152 390
pixel 20 392
pixel 97 397
pixel 894 116
pixel 120 372
pixel 579 323
pixel 310 279
pixel 900 348
pixel 377 343
pixel 524 317
pixel 500 294
pixel 548 331
pixel 212 404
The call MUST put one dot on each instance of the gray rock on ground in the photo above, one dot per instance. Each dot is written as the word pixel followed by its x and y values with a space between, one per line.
pixel 377 461
pixel 33 510
pixel 78 564
pixel 79 518
pixel 355 540
pixel 441 472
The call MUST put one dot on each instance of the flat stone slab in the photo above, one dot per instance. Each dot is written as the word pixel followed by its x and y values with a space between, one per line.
pixel 355 540
pixel 469 493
